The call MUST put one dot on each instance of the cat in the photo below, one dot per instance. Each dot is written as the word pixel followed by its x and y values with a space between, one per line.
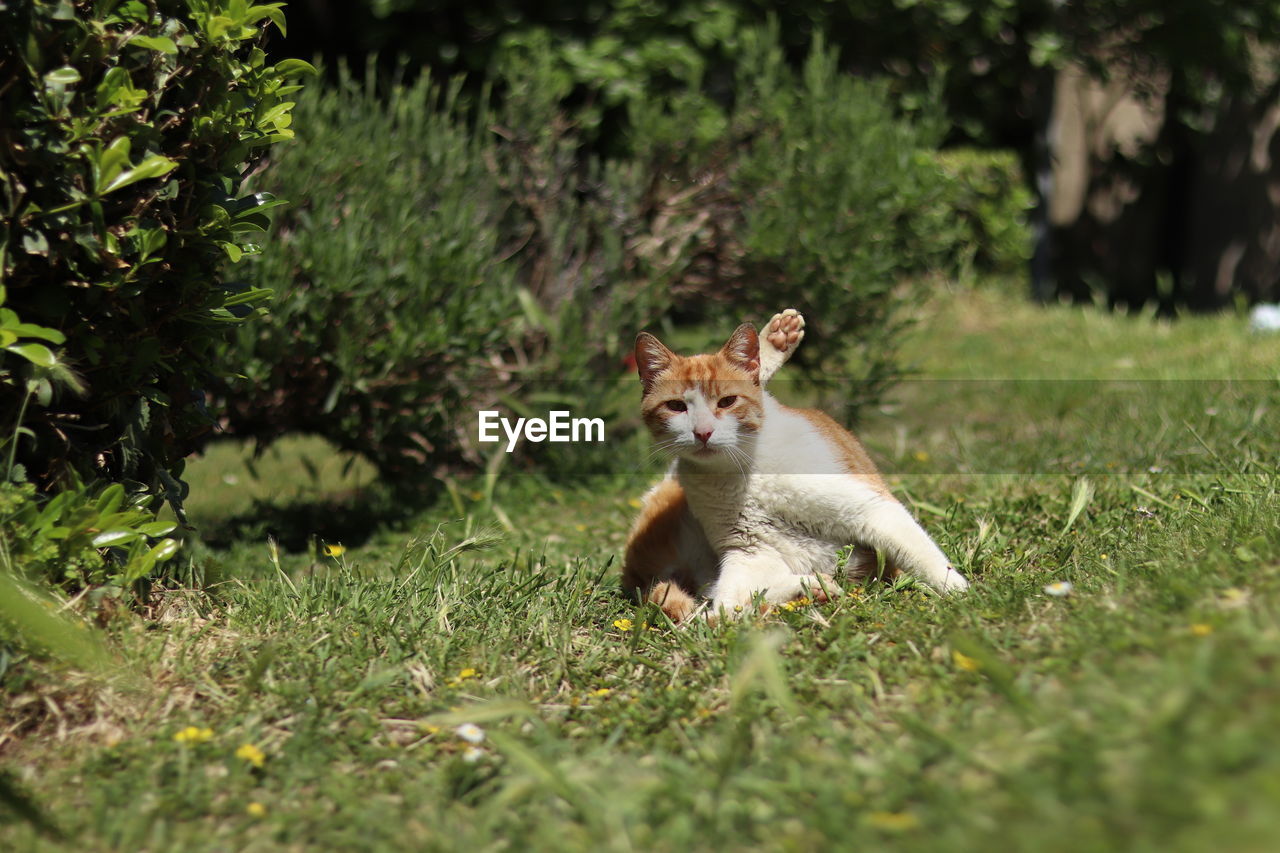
pixel 761 496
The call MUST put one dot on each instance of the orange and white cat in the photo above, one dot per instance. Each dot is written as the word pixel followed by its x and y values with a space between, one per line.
pixel 761 496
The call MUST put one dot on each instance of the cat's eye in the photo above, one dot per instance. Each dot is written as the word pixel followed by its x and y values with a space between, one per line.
pixel 726 402
pixel 676 405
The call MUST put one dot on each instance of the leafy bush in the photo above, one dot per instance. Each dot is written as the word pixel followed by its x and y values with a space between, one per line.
pixel 390 293
pixel 833 192
pixel 986 201
pixel 63 540
pixel 452 256
pixel 129 129
pixel 440 255
pixel 81 536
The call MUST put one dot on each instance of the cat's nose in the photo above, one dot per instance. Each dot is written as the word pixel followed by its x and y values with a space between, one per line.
pixel 703 436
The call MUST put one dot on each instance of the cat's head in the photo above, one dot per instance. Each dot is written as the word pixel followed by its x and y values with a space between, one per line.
pixel 704 408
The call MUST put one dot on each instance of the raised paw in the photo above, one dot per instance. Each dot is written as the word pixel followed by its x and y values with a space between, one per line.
pixel 785 331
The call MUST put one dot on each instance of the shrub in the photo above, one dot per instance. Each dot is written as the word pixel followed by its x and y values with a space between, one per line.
pixel 985 204
pixel 833 193
pixel 129 129
pixel 390 293
pixel 82 536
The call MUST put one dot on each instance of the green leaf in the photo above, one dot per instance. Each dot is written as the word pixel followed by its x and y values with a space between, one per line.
pixel 157 528
pixel 164 44
pixel 28 330
pixel 153 167
pixel 37 354
pixel 111 162
pixel 271 11
pixel 110 499
pixel 166 549
pixel 64 76
pixel 256 294
pixel 112 538
pixel 262 203
pixel 294 66
pixel 275 112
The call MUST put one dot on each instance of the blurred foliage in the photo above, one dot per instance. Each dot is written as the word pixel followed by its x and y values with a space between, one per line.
pixel 992 67
pixel 128 130
pixel 454 253
pixel 391 293
pixel 991 53
pixel 985 206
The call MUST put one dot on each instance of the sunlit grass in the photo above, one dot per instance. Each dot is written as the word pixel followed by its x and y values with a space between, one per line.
pixel 455 683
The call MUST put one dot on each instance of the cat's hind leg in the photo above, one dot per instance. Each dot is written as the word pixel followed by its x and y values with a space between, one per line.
pixel 778 341
pixel 668 557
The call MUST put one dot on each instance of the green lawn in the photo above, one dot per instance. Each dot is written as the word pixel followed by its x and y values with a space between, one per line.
pixel 1132 459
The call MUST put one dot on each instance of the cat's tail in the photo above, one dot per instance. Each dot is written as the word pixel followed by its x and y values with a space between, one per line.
pixel 674 601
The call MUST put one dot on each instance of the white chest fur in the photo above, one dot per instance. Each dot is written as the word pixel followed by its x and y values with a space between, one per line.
pixel 785 515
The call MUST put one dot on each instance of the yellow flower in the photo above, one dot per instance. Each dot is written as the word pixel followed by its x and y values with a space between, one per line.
pixel 251 754
pixel 601 691
pixel 429 728
pixel 921 456
pixel 334 550
pixel 194 734
pixel 1201 629
pixel 963 661
pixel 256 810
pixel 623 624
pixel 463 675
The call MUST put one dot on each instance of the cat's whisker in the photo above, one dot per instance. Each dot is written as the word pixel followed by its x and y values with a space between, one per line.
pixel 662 449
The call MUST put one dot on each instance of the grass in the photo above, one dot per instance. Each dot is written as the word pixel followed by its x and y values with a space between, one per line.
pixel 1134 713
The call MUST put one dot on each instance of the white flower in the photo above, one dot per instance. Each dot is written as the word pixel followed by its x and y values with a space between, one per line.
pixel 472 754
pixel 1059 589
pixel 470 732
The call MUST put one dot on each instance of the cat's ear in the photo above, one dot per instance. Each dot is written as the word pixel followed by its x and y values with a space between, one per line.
pixel 651 358
pixel 743 350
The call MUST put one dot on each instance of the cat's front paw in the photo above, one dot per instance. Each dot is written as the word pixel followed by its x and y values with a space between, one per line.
pixel 785 331
pixel 737 600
